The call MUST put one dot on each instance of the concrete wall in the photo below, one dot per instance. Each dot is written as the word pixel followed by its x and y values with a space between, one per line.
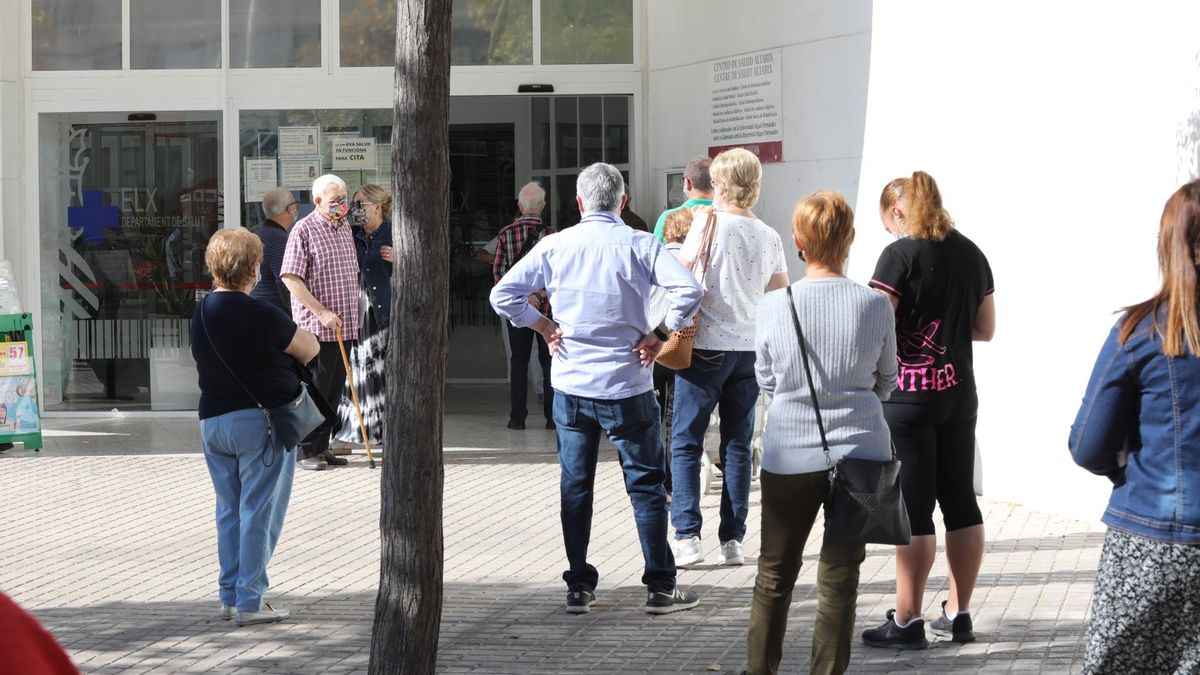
pixel 1056 131
pixel 826 53
pixel 10 134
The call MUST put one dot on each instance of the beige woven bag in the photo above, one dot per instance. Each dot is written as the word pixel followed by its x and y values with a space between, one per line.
pixel 676 354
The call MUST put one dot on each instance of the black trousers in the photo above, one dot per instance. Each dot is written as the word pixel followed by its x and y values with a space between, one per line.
pixel 329 374
pixel 521 341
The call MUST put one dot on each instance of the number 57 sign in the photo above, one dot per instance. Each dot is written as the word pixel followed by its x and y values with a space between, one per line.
pixel 14 358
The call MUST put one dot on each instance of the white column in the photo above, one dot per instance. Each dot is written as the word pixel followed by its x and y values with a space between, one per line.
pixel 10 132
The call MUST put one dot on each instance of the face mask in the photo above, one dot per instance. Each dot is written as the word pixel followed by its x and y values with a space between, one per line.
pixel 802 258
pixel 337 209
pixel 257 275
pixel 358 216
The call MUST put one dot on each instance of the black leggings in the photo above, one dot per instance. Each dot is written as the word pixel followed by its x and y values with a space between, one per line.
pixel 935 442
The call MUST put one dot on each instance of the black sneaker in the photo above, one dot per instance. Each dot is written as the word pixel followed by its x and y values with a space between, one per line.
pixel 550 425
pixel 677 601
pixel 580 602
pixel 889 634
pixel 960 630
pixel 516 425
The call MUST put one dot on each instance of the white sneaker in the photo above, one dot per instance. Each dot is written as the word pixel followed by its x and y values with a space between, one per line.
pixel 267 614
pixel 732 550
pixel 687 551
pixel 227 612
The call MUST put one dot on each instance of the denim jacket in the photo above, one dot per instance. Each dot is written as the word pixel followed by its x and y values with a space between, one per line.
pixel 375 272
pixel 1140 426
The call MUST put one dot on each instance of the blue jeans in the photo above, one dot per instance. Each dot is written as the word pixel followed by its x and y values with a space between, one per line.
pixel 253 482
pixel 632 426
pixel 724 381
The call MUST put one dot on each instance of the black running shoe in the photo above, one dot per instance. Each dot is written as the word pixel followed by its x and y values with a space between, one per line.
pixel 889 634
pixel 677 601
pixel 580 602
pixel 960 630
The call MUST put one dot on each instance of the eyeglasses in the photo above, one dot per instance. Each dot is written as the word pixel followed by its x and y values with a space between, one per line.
pixel 290 206
pixel 360 204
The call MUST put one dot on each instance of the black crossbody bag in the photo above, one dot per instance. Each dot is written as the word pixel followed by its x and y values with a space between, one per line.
pixel 865 503
pixel 288 423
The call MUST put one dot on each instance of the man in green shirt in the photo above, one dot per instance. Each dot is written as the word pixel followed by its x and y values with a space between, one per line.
pixel 697 185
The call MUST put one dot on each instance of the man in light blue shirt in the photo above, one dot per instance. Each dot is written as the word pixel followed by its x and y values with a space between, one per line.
pixel 598 276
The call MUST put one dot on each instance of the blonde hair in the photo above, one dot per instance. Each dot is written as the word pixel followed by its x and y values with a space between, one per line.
pixel 233 257
pixel 1178 257
pixel 925 217
pixel 377 194
pixel 738 173
pixel 823 223
pixel 677 225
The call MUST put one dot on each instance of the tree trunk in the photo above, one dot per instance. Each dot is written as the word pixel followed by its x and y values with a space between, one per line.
pixel 408 609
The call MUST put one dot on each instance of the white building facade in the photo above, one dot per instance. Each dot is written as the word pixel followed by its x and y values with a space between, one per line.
pixel 1055 130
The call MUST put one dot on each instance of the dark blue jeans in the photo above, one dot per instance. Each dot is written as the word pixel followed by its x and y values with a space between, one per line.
pixel 632 426
pixel 724 381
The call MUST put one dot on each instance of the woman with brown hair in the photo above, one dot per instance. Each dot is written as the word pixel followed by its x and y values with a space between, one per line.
pixel 940 285
pixel 1138 426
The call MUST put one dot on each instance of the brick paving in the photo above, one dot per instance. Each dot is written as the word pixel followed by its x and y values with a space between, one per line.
pixel 113 548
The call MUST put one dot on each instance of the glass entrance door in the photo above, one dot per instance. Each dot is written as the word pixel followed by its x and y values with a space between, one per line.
pixel 128 205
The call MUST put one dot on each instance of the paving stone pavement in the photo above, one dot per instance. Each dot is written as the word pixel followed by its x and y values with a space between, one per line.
pixel 115 552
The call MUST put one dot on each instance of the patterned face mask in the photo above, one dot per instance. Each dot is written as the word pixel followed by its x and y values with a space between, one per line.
pixel 358 214
pixel 338 208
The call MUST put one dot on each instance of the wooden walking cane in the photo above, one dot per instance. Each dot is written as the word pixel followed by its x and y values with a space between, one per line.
pixel 362 428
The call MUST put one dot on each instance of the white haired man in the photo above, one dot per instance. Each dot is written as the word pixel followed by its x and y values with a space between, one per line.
pixel 320 269
pixel 279 206
pixel 599 274
pixel 513 242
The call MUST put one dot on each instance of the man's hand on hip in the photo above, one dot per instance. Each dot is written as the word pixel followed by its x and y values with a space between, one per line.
pixel 648 349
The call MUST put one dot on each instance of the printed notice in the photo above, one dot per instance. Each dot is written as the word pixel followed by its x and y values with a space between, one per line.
pixel 298 173
pixel 353 154
pixel 299 141
pixel 261 178
pixel 745 96
pixel 14 358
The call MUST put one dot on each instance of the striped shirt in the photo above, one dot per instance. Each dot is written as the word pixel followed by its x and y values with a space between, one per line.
pixel 323 255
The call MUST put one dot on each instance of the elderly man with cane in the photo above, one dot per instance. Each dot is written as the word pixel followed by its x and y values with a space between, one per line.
pixel 598 276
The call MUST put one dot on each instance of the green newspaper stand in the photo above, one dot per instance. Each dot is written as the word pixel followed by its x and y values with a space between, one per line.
pixel 20 414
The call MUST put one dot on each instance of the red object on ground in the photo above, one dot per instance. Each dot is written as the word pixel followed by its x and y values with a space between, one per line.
pixel 26 648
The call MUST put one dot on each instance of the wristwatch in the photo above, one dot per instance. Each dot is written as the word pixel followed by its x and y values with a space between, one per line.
pixel 658 333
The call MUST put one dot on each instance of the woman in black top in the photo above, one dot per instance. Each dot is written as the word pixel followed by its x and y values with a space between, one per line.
pixel 239 344
pixel 940 284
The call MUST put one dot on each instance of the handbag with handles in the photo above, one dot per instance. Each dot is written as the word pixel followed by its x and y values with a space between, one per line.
pixel 865 504
pixel 288 423
pixel 676 354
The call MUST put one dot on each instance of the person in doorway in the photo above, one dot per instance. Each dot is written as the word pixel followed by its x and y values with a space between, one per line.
pixel 850 332
pixel 599 274
pixel 515 242
pixel 246 353
pixel 370 213
pixel 320 269
pixel 940 285
pixel 746 261
pixel 279 206
pixel 1138 426
pixel 629 217
pixel 697 185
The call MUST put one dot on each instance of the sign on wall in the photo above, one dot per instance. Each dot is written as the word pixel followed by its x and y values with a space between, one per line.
pixel 299 141
pixel 298 173
pixel 261 178
pixel 354 154
pixel 745 104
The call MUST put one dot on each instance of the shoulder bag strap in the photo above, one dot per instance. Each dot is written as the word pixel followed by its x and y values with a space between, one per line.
pixel 213 346
pixel 808 374
pixel 704 253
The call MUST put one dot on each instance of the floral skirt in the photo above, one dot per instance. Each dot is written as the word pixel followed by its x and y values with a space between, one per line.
pixel 367 360
pixel 1145 609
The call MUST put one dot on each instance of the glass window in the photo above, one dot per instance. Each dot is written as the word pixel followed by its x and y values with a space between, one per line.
pixel 566 208
pixel 566 133
pixel 591 125
pixel 540 124
pixel 174 34
pixel 274 33
pixel 616 129
pixel 492 33
pixel 368 33
pixel 584 31
pixel 73 35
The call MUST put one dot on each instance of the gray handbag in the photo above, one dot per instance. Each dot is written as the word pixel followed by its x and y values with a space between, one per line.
pixel 288 423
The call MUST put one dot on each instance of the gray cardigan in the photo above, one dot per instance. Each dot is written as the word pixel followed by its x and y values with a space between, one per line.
pixel 851 336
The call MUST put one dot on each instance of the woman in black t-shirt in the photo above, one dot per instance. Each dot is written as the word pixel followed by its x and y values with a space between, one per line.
pixel 940 284
pixel 245 349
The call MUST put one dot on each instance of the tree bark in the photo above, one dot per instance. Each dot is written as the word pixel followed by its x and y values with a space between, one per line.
pixel 408 609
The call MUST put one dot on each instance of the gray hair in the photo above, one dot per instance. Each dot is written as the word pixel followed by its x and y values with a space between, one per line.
pixel 276 201
pixel 697 172
pixel 320 184
pixel 601 187
pixel 531 198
